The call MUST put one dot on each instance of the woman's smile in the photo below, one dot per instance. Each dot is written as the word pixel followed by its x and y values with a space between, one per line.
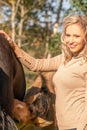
pixel 72 46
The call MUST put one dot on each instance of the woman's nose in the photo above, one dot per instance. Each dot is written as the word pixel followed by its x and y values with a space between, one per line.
pixel 71 40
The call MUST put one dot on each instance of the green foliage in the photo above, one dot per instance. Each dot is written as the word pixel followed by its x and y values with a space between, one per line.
pixel 37 3
pixel 54 45
pixel 78 7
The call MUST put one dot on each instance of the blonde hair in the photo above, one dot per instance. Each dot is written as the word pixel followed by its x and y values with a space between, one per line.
pixel 69 20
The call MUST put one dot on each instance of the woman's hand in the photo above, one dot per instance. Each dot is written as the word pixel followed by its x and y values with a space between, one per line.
pixel 12 44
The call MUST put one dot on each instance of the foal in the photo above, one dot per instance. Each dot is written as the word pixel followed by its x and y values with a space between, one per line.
pixel 38 106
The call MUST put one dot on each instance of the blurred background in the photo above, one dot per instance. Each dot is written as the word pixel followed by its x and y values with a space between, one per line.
pixel 36 26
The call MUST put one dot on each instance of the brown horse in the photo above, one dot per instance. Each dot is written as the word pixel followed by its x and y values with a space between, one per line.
pixel 38 107
pixel 12 80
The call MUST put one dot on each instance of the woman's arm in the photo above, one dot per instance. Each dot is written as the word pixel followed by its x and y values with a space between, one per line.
pixel 50 64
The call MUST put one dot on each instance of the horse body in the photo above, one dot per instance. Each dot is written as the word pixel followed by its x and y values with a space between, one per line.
pixel 19 84
pixel 12 81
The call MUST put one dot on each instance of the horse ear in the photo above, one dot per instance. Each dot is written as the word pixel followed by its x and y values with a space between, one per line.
pixel 20 106
pixel 44 88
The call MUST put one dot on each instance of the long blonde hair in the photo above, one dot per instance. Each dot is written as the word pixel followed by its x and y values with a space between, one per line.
pixel 69 20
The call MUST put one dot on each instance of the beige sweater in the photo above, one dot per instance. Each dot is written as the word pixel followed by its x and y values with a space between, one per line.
pixel 70 84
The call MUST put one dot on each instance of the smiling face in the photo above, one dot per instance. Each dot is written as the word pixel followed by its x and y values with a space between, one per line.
pixel 75 38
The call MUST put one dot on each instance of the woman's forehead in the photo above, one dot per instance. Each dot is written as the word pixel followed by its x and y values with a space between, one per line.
pixel 74 28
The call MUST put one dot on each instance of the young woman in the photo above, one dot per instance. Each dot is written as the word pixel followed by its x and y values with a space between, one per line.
pixel 70 79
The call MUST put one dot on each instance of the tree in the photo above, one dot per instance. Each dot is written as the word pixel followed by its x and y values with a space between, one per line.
pixel 33 25
pixel 78 7
pixel 27 19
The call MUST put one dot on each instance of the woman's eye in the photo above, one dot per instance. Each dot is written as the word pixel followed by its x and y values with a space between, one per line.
pixel 77 36
pixel 67 35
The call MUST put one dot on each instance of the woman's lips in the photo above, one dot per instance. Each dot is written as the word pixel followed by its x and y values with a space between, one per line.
pixel 72 46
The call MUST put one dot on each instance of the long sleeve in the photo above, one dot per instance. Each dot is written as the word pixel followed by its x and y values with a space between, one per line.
pixel 49 64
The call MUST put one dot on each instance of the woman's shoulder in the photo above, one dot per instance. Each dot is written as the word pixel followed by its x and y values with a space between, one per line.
pixel 83 67
pixel 59 59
